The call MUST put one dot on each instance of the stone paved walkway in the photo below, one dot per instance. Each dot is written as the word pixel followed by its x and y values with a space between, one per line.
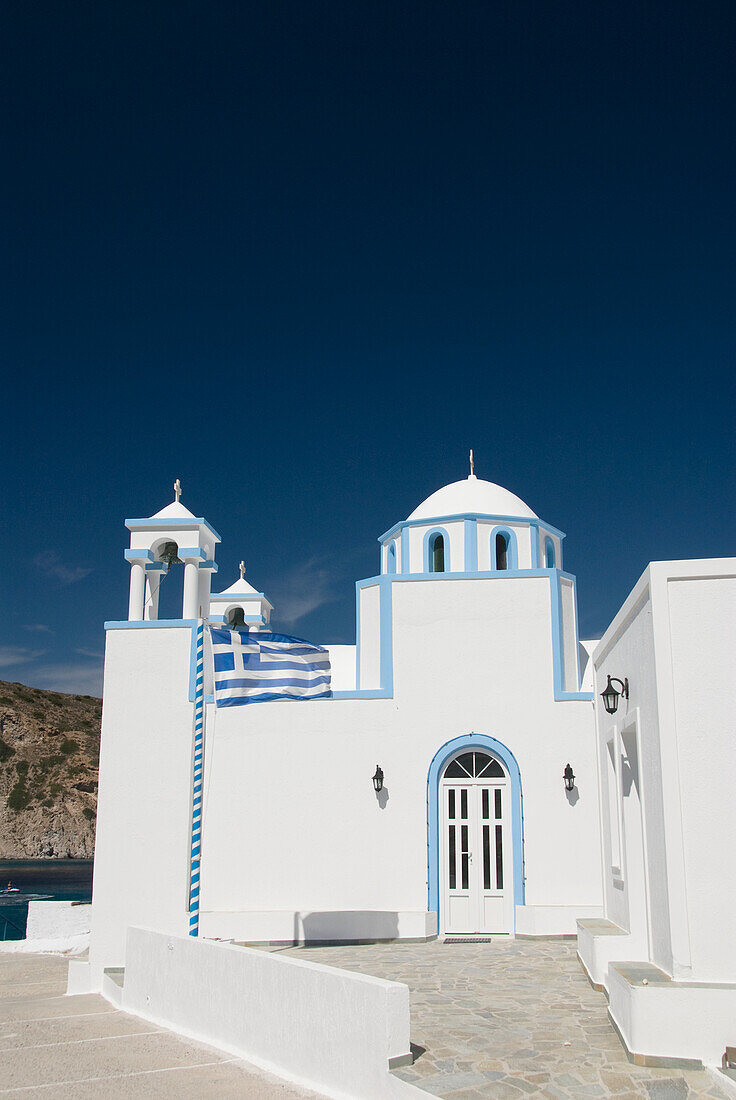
pixel 509 1018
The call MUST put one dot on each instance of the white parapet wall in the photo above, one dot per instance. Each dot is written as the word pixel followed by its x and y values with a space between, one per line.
pixel 661 1019
pixel 552 920
pixel 57 920
pixel 324 1028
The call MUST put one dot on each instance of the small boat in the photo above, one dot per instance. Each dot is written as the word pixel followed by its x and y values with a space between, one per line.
pixel 10 889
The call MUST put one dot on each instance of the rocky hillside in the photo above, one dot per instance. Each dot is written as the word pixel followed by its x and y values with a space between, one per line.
pixel 49 752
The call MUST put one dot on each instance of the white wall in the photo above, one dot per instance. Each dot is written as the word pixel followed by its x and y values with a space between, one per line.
pixel 322 1027
pixel 370 637
pixel 141 872
pixel 291 819
pixel 342 665
pixel 674 639
pixel 703 639
pixel 292 824
pixel 57 920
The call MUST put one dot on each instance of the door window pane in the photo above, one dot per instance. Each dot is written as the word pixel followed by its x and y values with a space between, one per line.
pixel 451 804
pixel 499 857
pixel 464 856
pixel 498 802
pixel 486 857
pixel 489 767
pixel 464 803
pixel 451 853
pixel 485 800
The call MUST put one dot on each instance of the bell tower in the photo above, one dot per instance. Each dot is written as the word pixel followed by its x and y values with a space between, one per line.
pixel 170 537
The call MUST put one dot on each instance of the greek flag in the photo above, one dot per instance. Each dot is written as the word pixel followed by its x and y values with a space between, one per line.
pixel 256 666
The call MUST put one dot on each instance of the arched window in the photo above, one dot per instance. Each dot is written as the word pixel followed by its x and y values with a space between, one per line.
pixel 502 551
pixel 549 553
pixel 474 765
pixel 437 554
pixel 391 558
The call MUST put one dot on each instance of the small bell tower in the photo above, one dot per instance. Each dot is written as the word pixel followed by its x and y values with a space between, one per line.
pixel 170 537
pixel 240 605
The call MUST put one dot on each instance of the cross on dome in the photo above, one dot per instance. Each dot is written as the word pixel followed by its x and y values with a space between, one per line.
pixel 177 490
pixel 242 570
pixel 472 464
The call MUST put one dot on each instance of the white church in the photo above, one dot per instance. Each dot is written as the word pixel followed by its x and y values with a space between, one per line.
pixel 477 769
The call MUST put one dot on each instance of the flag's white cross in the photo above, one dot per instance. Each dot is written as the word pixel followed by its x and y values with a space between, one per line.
pixel 238 662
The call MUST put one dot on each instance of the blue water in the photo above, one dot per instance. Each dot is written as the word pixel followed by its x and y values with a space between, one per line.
pixel 39 880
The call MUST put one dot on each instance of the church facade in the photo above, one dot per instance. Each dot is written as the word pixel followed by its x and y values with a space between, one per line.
pixel 457 782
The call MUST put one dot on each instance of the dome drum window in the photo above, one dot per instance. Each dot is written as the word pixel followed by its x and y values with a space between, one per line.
pixel 437 554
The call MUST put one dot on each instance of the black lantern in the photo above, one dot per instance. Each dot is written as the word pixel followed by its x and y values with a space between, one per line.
pixel 569 777
pixel 378 779
pixel 611 697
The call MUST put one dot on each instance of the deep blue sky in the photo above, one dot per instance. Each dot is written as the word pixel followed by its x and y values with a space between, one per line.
pixel 303 256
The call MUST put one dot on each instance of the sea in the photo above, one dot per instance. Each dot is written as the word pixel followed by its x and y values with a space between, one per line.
pixel 39 880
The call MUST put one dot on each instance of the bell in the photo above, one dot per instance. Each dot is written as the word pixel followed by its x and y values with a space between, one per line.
pixel 169 555
pixel 236 619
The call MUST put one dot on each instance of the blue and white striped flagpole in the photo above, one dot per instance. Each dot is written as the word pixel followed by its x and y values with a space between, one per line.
pixel 197 784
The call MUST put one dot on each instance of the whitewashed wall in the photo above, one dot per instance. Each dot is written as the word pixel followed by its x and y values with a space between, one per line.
pixel 319 1026
pixel 342 666
pixel 141 873
pixel 292 825
pixel 668 811
pixel 291 819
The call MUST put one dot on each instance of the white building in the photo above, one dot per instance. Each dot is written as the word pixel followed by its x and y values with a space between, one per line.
pixel 469 687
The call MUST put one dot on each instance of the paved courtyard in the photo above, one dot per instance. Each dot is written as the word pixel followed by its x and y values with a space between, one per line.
pixel 509 1018
pixel 58 1046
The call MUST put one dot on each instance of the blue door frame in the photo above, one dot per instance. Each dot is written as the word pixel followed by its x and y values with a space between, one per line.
pixel 440 759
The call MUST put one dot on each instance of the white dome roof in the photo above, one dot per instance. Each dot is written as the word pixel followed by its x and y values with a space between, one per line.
pixel 470 496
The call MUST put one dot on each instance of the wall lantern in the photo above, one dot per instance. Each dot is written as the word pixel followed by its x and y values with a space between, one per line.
pixel 611 697
pixel 569 777
pixel 378 779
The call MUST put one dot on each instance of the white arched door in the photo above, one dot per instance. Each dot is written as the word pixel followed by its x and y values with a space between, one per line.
pixel 476 873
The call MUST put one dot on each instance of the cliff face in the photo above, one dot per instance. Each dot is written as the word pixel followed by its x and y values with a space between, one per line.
pixel 49 752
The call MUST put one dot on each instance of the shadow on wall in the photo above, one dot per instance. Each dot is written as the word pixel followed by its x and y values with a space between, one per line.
pixel 345 926
pixel 573 796
pixel 382 797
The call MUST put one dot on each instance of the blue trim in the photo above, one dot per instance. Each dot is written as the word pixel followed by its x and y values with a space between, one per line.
pixel 235 598
pixel 148 624
pixel 391 557
pixel 532 521
pixel 385 639
pixel 439 761
pixel 558 651
pixel 358 587
pixel 552 575
pixel 210 565
pixel 534 539
pixel 156 567
pixel 193 552
pixel 405 553
pixel 137 555
pixel 549 546
pixel 154 524
pixel 512 556
pixel 428 536
pixel 470 538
